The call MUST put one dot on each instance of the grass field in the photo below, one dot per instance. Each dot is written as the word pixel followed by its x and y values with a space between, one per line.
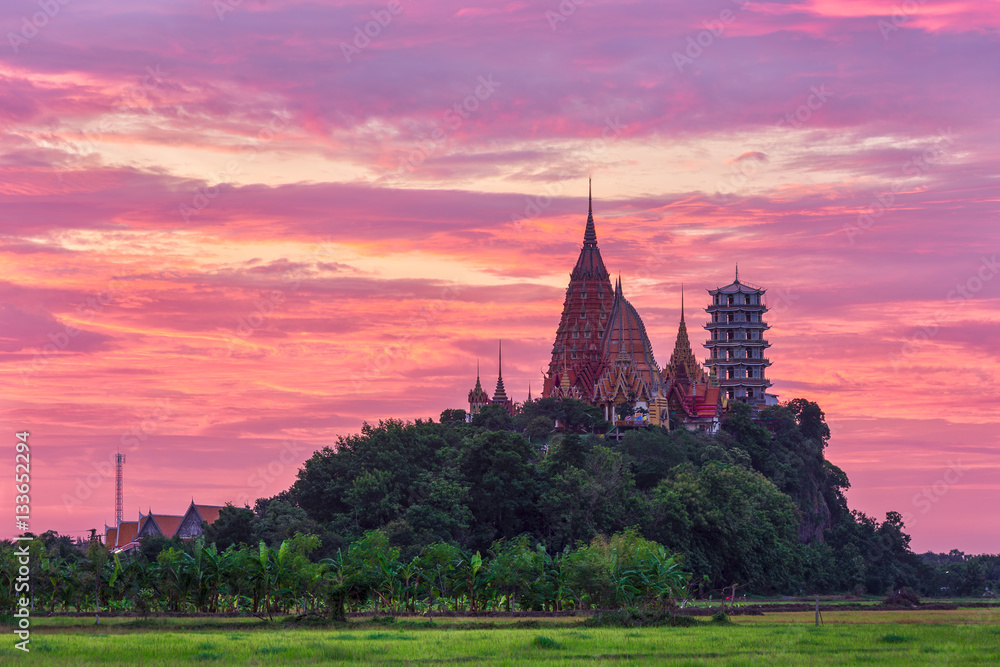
pixel 919 637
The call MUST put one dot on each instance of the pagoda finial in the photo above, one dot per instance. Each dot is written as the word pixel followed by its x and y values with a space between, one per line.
pixel 682 302
pixel 500 358
pixel 590 235
pixel 737 271
pixel 479 387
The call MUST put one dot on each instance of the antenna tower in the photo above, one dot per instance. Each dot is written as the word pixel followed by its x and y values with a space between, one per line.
pixel 119 462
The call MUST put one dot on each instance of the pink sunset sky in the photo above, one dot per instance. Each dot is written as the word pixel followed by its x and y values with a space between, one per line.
pixel 233 230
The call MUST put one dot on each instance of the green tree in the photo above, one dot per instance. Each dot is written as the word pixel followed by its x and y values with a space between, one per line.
pixel 453 416
pixel 493 418
pixel 498 467
pixel 235 525
pixel 281 520
pixel 539 428
pixel 511 568
pixel 733 525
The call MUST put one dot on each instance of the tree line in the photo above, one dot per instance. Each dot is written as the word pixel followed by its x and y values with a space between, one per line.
pixel 621 571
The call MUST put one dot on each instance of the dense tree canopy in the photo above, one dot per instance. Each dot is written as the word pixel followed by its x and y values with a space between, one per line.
pixel 504 513
pixel 756 504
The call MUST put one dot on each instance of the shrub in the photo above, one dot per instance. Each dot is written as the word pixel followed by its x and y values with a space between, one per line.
pixel 904 597
pixel 545 642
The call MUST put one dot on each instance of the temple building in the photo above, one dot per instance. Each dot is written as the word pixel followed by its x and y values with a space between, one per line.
pixel 577 352
pixel 499 395
pixel 737 345
pixel 188 526
pixel 603 356
pixel 479 399
pixel 694 396
pixel 629 373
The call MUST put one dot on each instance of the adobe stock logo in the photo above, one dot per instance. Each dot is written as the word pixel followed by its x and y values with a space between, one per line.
pixel 38 20
pixel 363 35
pixel 452 119
pixel 925 500
pixel 265 475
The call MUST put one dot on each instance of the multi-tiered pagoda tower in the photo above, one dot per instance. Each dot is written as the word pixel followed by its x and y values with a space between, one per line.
pixel 576 352
pixel 737 344
pixel 500 394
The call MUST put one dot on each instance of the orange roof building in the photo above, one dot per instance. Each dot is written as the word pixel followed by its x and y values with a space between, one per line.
pixel 196 515
pixel 127 534
pixel 159 524
pixel 694 397
pixel 123 536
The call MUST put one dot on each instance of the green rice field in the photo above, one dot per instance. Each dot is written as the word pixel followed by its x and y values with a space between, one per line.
pixel 954 637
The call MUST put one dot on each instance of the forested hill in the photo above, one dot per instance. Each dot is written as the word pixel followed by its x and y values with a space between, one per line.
pixel 756 504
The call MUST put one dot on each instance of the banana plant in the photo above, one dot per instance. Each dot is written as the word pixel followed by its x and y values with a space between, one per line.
pixel 389 587
pixel 409 584
pixel 338 583
pixel 206 571
pixel 467 581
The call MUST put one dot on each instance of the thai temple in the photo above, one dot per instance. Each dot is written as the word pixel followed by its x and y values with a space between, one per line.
pixel 126 535
pixel 603 356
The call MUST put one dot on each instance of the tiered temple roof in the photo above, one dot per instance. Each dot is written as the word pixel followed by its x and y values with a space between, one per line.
pixel 683 366
pixel 499 394
pixel 693 396
pixel 737 345
pixel 626 337
pixel 576 351
pixel 478 398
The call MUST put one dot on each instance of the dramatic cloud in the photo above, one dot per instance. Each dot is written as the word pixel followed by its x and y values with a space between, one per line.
pixel 228 227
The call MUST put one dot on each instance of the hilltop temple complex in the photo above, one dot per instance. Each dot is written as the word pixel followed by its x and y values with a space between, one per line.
pixel 603 356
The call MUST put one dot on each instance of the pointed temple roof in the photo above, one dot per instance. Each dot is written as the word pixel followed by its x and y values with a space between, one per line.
pixel 692 393
pixel 626 338
pixel 127 534
pixel 208 513
pixel 499 395
pixel 478 395
pixel 683 365
pixel 737 286
pixel 590 265
pixel 162 524
pixel 576 352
